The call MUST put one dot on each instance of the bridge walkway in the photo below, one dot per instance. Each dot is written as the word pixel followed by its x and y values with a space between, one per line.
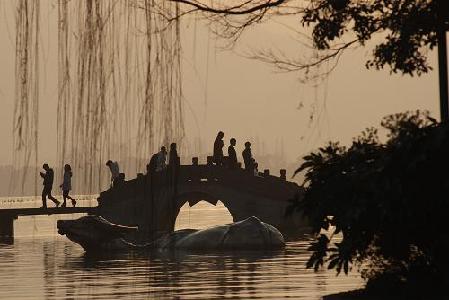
pixel 198 175
pixel 8 215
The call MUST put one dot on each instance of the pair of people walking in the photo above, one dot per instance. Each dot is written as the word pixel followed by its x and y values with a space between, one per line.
pixel 66 186
pixel 158 161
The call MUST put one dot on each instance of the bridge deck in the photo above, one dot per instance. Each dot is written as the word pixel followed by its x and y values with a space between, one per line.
pixel 7 216
pixel 198 177
pixel 15 212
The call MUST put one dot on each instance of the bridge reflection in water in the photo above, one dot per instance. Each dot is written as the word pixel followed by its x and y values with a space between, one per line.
pixel 203 215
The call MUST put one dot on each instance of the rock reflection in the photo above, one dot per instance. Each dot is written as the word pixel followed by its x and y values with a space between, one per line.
pixel 177 273
pixel 46 266
pixel 5 240
pixel 63 271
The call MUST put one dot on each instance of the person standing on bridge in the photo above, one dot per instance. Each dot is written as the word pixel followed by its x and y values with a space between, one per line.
pixel 152 165
pixel 173 158
pixel 256 168
pixel 248 158
pixel 218 149
pixel 48 186
pixel 161 159
pixel 173 165
pixel 115 171
pixel 67 186
pixel 232 155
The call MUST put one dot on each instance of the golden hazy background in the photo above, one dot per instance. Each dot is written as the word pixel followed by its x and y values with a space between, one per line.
pixel 248 100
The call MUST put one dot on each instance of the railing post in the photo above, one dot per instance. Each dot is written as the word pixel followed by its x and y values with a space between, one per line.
pixel 266 172
pixel 210 160
pixel 283 173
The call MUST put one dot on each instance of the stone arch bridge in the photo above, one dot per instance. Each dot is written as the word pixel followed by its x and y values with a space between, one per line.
pixel 153 201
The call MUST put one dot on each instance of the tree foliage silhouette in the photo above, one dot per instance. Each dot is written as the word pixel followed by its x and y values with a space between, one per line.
pixel 386 203
pixel 404 30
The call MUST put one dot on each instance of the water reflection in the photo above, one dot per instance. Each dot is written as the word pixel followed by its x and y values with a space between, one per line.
pixel 5 240
pixel 46 265
pixel 185 275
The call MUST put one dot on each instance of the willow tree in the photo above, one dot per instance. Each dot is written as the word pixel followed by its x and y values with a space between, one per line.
pixel 119 83
pixel 26 105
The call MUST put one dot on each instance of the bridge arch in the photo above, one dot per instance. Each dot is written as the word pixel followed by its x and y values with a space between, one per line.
pixel 194 197
pixel 153 202
pixel 240 203
pixel 201 214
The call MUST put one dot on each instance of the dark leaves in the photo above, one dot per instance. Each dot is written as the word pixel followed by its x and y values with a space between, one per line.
pixel 319 249
pixel 387 202
pixel 409 27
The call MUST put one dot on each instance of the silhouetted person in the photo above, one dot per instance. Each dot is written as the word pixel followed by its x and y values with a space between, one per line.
pixel 67 185
pixel 161 159
pixel 255 168
pixel 121 178
pixel 173 164
pixel 232 155
pixel 173 159
pixel 248 158
pixel 152 165
pixel 218 149
pixel 115 171
pixel 48 186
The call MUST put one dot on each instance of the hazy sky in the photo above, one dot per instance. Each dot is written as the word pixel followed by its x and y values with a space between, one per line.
pixel 242 97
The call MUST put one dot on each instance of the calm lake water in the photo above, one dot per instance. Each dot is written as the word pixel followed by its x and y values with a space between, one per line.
pixel 44 265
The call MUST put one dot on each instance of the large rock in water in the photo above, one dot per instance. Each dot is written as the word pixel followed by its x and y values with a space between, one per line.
pixel 248 234
pixel 94 233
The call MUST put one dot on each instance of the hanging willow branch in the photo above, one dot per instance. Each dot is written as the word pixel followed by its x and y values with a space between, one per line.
pixel 119 85
pixel 124 84
pixel 26 104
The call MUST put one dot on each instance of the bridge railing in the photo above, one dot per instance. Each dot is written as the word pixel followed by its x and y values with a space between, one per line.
pixel 264 183
pixel 265 173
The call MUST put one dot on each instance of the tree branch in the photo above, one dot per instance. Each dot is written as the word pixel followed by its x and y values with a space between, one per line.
pixel 234 10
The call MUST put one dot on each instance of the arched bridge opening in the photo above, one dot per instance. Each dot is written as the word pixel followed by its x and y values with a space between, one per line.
pixel 197 209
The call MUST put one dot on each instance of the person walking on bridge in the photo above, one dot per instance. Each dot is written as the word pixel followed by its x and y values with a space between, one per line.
pixel 115 171
pixel 161 159
pixel 174 164
pixel 248 158
pixel 173 158
pixel 218 149
pixel 67 186
pixel 232 155
pixel 48 186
